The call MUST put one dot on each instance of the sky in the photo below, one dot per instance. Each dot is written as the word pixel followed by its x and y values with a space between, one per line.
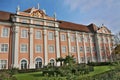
pixel 85 12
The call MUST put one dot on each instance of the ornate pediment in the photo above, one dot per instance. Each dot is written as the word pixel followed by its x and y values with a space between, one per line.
pixel 37 14
pixel 104 30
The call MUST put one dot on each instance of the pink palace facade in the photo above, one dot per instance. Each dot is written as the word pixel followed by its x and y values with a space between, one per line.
pixel 32 39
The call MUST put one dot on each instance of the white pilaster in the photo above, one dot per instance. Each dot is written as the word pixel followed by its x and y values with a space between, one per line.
pixel 78 51
pixel 31 48
pixel 69 44
pixel 45 47
pixel 85 55
pixel 98 48
pixel 16 47
pixel 91 48
pixel 110 49
pixel 57 45
pixel 104 47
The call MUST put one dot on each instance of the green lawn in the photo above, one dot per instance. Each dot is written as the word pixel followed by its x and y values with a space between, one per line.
pixel 38 75
pixel 99 69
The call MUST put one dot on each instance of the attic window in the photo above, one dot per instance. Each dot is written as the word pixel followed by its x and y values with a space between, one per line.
pixel 24 21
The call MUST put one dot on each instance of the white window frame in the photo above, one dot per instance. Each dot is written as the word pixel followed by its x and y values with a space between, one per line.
pixel 4 47
pixel 37 48
pixel 23 35
pixel 6 35
pixel 73 49
pixel 63 37
pixel 64 49
pixel 50 50
pixel 21 48
pixel 80 39
pixel 38 36
pixel 24 20
pixel 81 49
pixel 88 49
pixel 73 38
pixel 50 23
pixel 3 64
pixel 50 35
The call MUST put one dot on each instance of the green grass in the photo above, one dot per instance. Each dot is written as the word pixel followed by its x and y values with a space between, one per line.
pixel 29 76
pixel 99 69
pixel 38 75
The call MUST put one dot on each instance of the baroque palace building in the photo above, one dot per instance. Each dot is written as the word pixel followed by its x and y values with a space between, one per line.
pixel 32 39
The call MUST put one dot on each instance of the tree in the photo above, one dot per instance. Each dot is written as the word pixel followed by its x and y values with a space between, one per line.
pixel 116 50
pixel 69 60
pixel 61 60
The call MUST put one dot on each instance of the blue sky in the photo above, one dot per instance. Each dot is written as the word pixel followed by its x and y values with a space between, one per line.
pixel 99 12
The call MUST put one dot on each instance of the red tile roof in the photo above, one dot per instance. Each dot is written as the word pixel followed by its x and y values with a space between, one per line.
pixel 77 27
pixel 5 16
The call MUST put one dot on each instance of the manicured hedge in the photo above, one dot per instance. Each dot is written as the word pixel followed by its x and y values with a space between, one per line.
pixel 28 70
pixel 99 63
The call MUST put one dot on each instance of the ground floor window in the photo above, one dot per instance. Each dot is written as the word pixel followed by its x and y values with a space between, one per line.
pixel 3 64
pixel 23 64
pixel 52 62
pixel 38 63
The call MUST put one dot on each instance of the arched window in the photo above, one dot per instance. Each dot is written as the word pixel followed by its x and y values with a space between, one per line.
pixel 23 64
pixel 52 62
pixel 38 63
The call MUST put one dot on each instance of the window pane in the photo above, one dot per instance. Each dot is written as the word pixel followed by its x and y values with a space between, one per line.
pixel 63 38
pixel 5 32
pixel 4 47
pixel 38 48
pixel 73 49
pixel 63 49
pixel 81 48
pixel 72 38
pixel 3 64
pixel 24 33
pixel 51 36
pixel 51 49
pixel 23 48
pixel 38 34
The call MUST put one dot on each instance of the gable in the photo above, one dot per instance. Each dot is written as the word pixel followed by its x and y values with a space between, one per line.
pixel 37 14
pixel 104 30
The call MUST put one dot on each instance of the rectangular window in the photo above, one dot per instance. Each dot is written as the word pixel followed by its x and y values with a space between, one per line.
pixel 51 36
pixel 63 49
pixel 3 64
pixel 81 49
pixel 38 48
pixel 38 34
pixel 4 47
pixel 80 39
pixel 24 21
pixel 23 48
pixel 5 32
pixel 73 49
pixel 88 49
pixel 51 49
pixel 72 38
pixel 24 33
pixel 63 37
pixel 50 24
